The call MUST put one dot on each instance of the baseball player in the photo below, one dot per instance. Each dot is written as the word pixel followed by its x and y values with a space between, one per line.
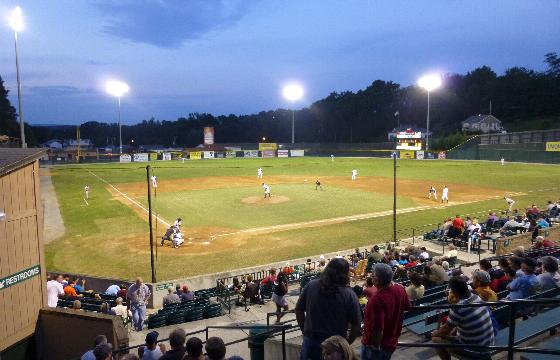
pixel 503 161
pixel 266 189
pixel 259 173
pixel 177 223
pixel 154 181
pixel 354 174
pixel 332 158
pixel 510 203
pixel 318 185
pixel 444 194
pixel 86 191
pixel 432 192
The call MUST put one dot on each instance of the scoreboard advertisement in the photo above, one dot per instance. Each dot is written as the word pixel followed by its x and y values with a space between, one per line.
pixel 409 140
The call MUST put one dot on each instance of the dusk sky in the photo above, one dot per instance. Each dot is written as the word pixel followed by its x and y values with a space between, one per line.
pixel 234 56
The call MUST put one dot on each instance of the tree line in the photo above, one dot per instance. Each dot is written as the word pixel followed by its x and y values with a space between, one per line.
pixel 522 98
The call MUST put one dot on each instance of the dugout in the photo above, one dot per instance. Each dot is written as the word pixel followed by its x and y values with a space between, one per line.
pixel 22 258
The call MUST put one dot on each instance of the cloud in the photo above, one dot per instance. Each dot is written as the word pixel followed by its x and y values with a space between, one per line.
pixel 168 23
pixel 57 91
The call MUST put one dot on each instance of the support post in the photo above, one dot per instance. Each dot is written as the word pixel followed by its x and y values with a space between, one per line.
pixel 148 168
pixel 395 198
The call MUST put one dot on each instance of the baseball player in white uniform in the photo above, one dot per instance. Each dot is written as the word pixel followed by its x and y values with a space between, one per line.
pixel 503 161
pixel 510 203
pixel 354 174
pixel 432 193
pixel 154 181
pixel 86 191
pixel 259 173
pixel 266 189
pixel 444 194
pixel 332 158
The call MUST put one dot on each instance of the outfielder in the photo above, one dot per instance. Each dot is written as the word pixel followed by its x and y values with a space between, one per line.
pixel 154 181
pixel 432 192
pixel 510 203
pixel 332 158
pixel 503 161
pixel 86 191
pixel 259 173
pixel 266 189
pixel 354 174
pixel 444 194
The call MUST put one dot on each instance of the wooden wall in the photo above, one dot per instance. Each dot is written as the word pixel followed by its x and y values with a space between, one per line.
pixel 21 247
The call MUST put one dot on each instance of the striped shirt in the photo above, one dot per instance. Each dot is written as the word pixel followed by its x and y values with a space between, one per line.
pixel 474 325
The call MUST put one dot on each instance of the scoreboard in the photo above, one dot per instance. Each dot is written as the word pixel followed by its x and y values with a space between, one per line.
pixel 409 140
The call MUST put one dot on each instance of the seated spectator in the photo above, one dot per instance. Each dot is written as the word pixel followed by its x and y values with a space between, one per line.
pixel 78 287
pixel 70 289
pixel 415 290
pixel 99 339
pixel 177 342
pixel 481 286
pixel 337 348
pixel 128 357
pixel 411 262
pixel 423 254
pixel 473 325
pixel 511 225
pixel 534 210
pixel 542 223
pixel 151 351
pixel 250 290
pixel 215 348
pixel 194 349
pixel 187 295
pixel 541 242
pixel 77 305
pixel 515 263
pixel 121 310
pixel 322 263
pixel 426 279
pixel 105 308
pixel 103 352
pixel 503 263
pixel 392 262
pixel 370 289
pixel 549 279
pixel 457 227
pixel 438 275
pixel 113 290
pixel 403 260
pixel 492 218
pixel 178 290
pixel 445 266
pixel 524 284
pixel 446 226
pixel 270 279
pixel 498 280
pixel 236 285
pixel 122 291
pixel 452 252
pixel 170 298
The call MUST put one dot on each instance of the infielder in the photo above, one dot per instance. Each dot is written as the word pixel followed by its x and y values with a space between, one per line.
pixel 86 191
pixel 259 173
pixel 510 203
pixel 354 174
pixel 444 194
pixel 432 192
pixel 266 189
pixel 318 185
pixel 154 181
pixel 503 161
pixel 177 223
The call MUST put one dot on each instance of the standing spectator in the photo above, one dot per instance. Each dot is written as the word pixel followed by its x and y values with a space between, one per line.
pixel 481 286
pixel 383 316
pixel 549 279
pixel 215 348
pixel 54 291
pixel 177 342
pixel 270 279
pixel 415 290
pixel 473 325
pixel 337 348
pixel 326 307
pixel 122 291
pixel 99 339
pixel 370 289
pixel 373 258
pixel 138 295
pixel 456 227
pixel 170 298
pixel 279 295
pixel 151 351
pixel 194 349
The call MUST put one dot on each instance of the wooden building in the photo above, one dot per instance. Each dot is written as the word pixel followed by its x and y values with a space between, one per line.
pixel 22 258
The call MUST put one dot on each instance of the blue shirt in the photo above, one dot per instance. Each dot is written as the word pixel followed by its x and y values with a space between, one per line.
pixel 88 356
pixel 112 290
pixel 522 287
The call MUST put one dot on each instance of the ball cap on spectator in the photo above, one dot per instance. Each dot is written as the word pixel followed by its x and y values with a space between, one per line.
pixel 151 337
pixel 482 276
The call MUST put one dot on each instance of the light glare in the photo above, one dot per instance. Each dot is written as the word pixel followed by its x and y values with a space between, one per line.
pixel 293 92
pixel 117 88
pixel 16 19
pixel 430 82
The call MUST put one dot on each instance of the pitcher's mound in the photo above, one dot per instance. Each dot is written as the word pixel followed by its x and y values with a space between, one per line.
pixel 260 200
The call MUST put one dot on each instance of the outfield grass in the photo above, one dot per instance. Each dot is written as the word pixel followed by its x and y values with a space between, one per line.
pixel 108 238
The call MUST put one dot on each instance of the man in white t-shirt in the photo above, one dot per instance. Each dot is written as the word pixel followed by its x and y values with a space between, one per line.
pixel 54 289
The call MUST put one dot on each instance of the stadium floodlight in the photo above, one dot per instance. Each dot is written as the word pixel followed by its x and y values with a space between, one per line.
pixel 429 83
pixel 293 93
pixel 16 23
pixel 118 89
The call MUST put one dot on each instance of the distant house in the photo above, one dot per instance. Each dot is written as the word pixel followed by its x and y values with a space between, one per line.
pixel 53 144
pixel 482 123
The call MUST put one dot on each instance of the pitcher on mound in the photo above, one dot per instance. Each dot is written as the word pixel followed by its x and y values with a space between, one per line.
pixel 266 189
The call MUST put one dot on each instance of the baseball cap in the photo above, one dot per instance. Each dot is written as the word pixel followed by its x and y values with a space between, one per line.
pixel 151 337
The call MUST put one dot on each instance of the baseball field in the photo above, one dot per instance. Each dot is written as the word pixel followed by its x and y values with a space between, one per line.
pixel 228 223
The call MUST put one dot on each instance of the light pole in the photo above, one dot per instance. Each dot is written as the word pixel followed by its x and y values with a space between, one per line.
pixel 429 83
pixel 16 23
pixel 293 93
pixel 118 89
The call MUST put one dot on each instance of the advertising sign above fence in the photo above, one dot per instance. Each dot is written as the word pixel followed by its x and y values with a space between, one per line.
pixel 268 146
pixel 230 154
pixel 553 146
pixel 420 155
pixel 251 153
pixel 295 153
pixel 125 158
pixel 283 153
pixel 208 154
pixel 406 154
pixel 208 135
pixel 195 155
pixel 166 156
pixel 268 153
pixel 441 155
pixel 141 157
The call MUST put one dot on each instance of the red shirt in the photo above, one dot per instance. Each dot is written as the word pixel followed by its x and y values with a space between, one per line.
pixel 385 312
pixel 369 292
pixel 458 223
pixel 547 243
pixel 410 264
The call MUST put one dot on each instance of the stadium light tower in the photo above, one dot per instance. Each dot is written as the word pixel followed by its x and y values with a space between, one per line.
pixel 16 23
pixel 293 93
pixel 429 83
pixel 118 89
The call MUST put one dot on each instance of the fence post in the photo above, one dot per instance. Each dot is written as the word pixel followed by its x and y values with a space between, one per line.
pixel 283 342
pixel 412 236
pixel 206 333
pixel 511 335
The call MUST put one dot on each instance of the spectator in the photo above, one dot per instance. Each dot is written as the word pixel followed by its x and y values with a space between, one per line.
pixel 549 279
pixel 270 279
pixel 473 325
pixel 524 284
pixel 503 263
pixel 481 286
pixel 359 291
pixel 456 227
pixel 78 287
pixel 113 290
pixel 542 242
pixel 194 349
pixel 250 290
pixel 103 352
pixel 129 357
pixel 215 348
pixel 452 251
pixel 370 289
pixel 99 339
pixel 411 262
pixel 392 262
pixel 374 257
pixel 70 289
pixel 542 223
pixel 170 298
pixel 178 290
pixel 325 308
pixel 337 348
pixel 424 255
pixel 403 260
pixel 445 266
pixel 187 294
pixel 138 295
pixel 121 309
pixel 511 225
pixel 322 263
pixel 77 305
pixel 415 290
pixel 105 308
pixel 515 264
pixel 54 291
pixel 151 351
pixel 383 316
pixel 122 291
pixel 279 295
pixel 438 274
pixel 177 342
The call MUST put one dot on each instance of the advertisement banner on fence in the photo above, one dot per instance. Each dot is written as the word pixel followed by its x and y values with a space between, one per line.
pixel 406 154
pixel 268 153
pixel 166 156
pixel 268 146
pixel 441 155
pixel 219 155
pixel 283 153
pixel 125 158
pixel 251 153
pixel 141 157
pixel 420 155
pixel 208 135
pixel 553 146
pixel 295 153
pixel 208 154
pixel 195 155
pixel 153 156
pixel 230 154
